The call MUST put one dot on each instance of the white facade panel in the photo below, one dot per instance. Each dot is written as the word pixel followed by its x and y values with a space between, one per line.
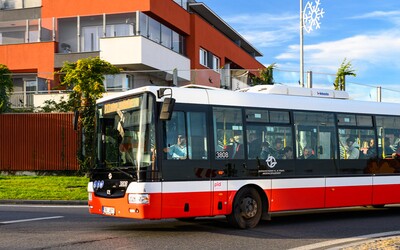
pixel 139 50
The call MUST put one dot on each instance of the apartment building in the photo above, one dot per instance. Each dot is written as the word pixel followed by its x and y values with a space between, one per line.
pixel 162 42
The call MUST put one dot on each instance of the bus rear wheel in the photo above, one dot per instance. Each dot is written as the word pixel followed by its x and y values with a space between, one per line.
pixel 247 209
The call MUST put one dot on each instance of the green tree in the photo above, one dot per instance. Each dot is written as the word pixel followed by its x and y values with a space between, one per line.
pixel 53 106
pixel 344 70
pixel 266 76
pixel 86 77
pixel 6 88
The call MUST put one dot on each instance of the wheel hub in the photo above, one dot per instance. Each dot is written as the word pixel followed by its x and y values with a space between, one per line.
pixel 248 207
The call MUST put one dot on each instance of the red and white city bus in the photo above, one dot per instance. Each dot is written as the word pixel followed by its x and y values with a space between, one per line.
pixel 192 152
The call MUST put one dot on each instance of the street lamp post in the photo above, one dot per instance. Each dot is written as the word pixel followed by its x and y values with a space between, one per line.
pixel 301 46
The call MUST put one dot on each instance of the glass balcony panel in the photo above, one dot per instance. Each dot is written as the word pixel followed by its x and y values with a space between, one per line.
pixel 143 25
pixel 121 25
pixel 166 36
pixel 154 30
pixel 67 35
pixel 32 3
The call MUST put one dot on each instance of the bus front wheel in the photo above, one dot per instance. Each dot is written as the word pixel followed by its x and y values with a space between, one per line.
pixel 247 209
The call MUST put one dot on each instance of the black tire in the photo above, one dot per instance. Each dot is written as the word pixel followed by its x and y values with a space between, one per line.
pixel 246 209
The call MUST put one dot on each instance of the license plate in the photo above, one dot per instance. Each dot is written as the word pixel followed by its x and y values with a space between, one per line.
pixel 109 210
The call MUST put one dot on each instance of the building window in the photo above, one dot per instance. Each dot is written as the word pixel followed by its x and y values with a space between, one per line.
pixel 203 57
pixel 209 60
pixel 216 63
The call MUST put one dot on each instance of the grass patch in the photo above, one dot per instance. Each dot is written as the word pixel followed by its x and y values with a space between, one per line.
pixel 43 188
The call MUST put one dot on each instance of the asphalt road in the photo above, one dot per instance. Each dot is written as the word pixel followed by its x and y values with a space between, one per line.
pixel 71 227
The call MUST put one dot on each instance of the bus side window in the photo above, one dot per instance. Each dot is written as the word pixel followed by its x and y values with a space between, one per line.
pixel 197 135
pixel 388 131
pixel 228 133
pixel 175 142
pixel 315 135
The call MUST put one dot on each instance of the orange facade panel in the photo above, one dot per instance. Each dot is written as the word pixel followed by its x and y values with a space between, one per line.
pixel 33 57
pixel 38 142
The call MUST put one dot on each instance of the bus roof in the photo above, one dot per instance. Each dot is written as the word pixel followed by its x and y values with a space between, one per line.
pixel 274 99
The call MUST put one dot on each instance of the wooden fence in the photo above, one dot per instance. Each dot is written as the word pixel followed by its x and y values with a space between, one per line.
pixel 38 142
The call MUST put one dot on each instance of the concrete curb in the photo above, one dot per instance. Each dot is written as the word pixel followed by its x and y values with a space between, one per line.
pixel 44 202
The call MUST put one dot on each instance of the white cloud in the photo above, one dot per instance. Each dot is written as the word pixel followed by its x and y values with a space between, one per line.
pixel 265 30
pixel 364 50
pixel 390 16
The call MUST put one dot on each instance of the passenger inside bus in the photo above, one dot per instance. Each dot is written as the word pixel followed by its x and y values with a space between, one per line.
pixel 353 149
pixel 277 150
pixel 126 149
pixel 371 151
pixel 307 154
pixel 178 150
pixel 235 148
pixel 265 151
pixel 396 154
pixel 387 149
pixel 254 145
pixel 287 153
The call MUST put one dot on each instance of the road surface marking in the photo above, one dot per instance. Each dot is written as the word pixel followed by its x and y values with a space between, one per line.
pixel 33 219
pixel 325 244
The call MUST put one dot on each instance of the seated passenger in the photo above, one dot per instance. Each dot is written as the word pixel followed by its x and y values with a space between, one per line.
pixel 371 152
pixel 287 153
pixel 254 146
pixel 396 154
pixel 235 148
pixel 277 150
pixel 265 150
pixel 387 149
pixel 353 149
pixel 307 154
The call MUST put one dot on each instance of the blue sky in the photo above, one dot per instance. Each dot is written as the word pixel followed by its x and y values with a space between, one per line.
pixel 365 32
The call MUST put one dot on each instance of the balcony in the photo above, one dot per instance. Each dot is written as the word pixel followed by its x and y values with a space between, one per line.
pixel 138 52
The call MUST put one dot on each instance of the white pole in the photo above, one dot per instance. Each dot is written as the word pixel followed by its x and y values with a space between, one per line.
pixel 301 46
pixel 379 94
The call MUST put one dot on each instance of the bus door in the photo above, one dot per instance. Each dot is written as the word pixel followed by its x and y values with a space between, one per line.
pixel 355 186
pixel 186 172
pixel 315 155
pixel 228 154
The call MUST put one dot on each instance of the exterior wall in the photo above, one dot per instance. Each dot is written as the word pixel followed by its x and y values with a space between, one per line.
pixel 207 37
pixel 38 142
pixel 32 57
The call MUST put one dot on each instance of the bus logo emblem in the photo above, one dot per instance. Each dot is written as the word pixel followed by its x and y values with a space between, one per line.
pixel 271 161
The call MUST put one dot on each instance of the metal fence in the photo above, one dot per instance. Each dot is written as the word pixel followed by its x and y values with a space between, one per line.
pixel 38 142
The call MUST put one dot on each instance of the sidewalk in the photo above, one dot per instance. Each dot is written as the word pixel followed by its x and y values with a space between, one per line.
pixel 384 243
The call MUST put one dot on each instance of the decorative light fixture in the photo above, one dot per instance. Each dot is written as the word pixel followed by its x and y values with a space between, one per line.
pixel 309 18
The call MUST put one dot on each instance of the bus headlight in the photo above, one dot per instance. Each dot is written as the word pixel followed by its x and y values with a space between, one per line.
pixel 139 198
pixel 90 196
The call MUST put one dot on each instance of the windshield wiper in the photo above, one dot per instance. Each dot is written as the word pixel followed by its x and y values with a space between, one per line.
pixel 113 167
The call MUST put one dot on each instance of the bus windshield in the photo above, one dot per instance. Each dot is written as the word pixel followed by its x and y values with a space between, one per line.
pixel 126 134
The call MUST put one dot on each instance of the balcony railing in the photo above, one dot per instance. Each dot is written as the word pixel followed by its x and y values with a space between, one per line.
pixel 19 4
